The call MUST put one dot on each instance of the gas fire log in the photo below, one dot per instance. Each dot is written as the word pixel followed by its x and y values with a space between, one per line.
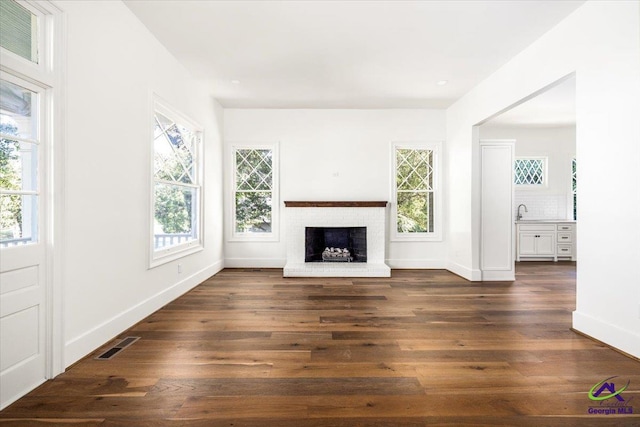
pixel 336 254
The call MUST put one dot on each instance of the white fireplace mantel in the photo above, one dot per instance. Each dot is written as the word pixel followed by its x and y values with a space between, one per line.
pixel 299 215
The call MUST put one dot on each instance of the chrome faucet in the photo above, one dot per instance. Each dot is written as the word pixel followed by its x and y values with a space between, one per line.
pixel 519 216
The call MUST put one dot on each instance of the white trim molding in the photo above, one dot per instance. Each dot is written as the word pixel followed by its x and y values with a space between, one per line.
pixel 437 166
pixel 163 255
pixel 92 339
pixel 625 340
pixel 274 234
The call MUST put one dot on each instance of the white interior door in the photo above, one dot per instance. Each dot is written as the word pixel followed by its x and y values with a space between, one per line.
pixel 23 209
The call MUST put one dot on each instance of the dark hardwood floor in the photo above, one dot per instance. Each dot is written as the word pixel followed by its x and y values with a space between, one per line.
pixel 425 347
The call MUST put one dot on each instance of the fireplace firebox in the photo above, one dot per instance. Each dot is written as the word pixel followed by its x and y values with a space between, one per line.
pixel 335 244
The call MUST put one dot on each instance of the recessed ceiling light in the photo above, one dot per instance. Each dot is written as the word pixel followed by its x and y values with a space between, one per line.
pixel 442 82
pixel 235 82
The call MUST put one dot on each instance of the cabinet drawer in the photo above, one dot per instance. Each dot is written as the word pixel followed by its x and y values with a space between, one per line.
pixel 564 237
pixel 537 227
pixel 565 250
pixel 565 227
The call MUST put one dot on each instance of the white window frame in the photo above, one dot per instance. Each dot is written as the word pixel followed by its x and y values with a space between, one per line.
pixel 436 234
pixel 545 173
pixel 274 235
pixel 162 256
pixel 42 143
pixel 44 67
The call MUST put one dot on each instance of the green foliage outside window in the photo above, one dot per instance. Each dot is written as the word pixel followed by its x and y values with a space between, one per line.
pixel 414 190
pixel 176 185
pixel 254 190
pixel 253 212
pixel 10 205
pixel 173 209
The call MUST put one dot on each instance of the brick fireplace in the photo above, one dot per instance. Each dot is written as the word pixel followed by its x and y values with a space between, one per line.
pixel 300 216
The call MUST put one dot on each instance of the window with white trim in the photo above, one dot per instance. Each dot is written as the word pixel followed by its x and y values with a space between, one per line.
pixel 416 194
pixel 254 192
pixel 20 144
pixel 177 185
pixel 19 30
pixel 530 171
pixel 574 191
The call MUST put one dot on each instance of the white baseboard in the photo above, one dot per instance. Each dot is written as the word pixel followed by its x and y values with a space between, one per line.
pixel 498 275
pixel 431 264
pixel 84 344
pixel 624 340
pixel 254 262
pixel 464 272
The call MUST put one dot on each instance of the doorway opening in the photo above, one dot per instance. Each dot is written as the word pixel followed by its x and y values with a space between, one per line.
pixel 544 189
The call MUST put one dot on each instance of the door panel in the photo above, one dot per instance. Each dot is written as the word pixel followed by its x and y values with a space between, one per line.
pixel 23 330
pixel 22 250
pixel 527 244
pixel 546 244
pixel 18 279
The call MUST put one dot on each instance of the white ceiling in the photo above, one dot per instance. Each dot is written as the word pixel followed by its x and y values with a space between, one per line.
pixel 346 54
pixel 553 108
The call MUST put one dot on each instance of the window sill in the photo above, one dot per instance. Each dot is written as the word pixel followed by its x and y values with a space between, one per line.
pixel 416 237
pixel 174 254
pixel 271 237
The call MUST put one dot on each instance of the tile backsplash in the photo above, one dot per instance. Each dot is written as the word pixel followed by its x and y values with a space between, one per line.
pixel 540 206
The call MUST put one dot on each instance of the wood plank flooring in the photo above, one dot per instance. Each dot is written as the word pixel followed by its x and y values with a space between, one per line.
pixel 425 347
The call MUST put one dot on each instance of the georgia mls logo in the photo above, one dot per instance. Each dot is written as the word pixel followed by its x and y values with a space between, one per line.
pixel 610 400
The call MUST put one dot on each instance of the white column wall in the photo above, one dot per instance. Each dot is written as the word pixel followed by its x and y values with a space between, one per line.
pixel 600 42
pixel 496 226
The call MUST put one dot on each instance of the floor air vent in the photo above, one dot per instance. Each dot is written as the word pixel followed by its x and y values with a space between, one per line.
pixel 126 342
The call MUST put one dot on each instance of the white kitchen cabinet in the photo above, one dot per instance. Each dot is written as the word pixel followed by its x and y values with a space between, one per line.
pixel 566 241
pixel 544 240
pixel 533 244
pixel 565 251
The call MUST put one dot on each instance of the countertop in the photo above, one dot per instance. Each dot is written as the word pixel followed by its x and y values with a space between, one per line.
pixel 536 221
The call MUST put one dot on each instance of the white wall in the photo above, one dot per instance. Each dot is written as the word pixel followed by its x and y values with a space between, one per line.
pixel 315 145
pixel 558 145
pixel 600 42
pixel 113 67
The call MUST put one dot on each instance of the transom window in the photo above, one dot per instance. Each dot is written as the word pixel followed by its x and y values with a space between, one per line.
pixel 177 186
pixel 254 198
pixel 416 193
pixel 19 30
pixel 530 171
